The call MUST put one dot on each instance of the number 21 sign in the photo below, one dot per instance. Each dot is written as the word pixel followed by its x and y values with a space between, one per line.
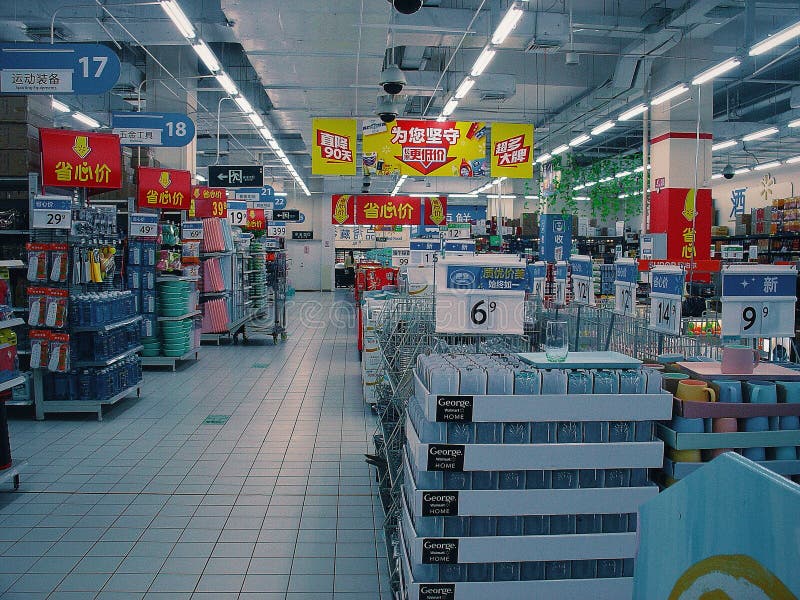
pixel 758 300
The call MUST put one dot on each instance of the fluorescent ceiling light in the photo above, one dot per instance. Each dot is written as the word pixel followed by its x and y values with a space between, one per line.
pixel 500 196
pixel 622 174
pixel 256 120
pixel 207 56
pixel 179 18
pixel 499 180
pixel 227 83
pixel 581 197
pixel 274 145
pixel 507 25
pixel 531 197
pixel 638 169
pixel 441 119
pixel 717 176
pixel 199 177
pixel 464 88
pixel 783 36
pixel 716 71
pixel 581 139
pixel 415 195
pixel 605 180
pixel 632 112
pixel 590 184
pixel 723 145
pixel 85 119
pixel 450 107
pixel 603 127
pixel 742 170
pixel 579 187
pixel 59 106
pixel 795 123
pixel 280 153
pixel 757 135
pixel 470 195
pixel 243 104
pixel 623 196
pixel 560 150
pixel 265 133
pixel 793 160
pixel 483 60
pixel 769 165
pixel 544 158
pixel 669 94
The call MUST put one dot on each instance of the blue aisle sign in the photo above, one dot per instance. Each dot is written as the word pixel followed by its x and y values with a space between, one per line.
pixel 57 69
pixel 582 280
pixel 459 246
pixel 555 237
pixel 280 201
pixel 666 299
pixel 463 277
pixel 758 300
pixel 626 275
pixel 171 130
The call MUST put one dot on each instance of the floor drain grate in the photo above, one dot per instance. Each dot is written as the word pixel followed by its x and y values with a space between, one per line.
pixel 216 419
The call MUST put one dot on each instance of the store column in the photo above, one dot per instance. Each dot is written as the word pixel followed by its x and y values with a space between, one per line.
pixel 680 201
pixel 182 63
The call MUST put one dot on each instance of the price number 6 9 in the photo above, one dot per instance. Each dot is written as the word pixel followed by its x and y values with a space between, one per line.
pixel 480 311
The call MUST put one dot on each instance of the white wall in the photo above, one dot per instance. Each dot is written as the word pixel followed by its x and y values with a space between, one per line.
pixel 786 183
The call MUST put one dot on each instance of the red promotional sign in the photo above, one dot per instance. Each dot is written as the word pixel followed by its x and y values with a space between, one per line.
pixel 80 159
pixel 164 188
pixel 343 209
pixel 209 202
pixel 256 219
pixel 436 210
pixel 674 211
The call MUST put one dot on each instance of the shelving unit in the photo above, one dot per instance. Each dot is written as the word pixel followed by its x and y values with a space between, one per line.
pixel 81 406
pixel 169 361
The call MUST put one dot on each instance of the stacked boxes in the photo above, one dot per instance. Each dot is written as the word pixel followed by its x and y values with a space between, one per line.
pixel 371 354
pixel 525 482
pixel 20 118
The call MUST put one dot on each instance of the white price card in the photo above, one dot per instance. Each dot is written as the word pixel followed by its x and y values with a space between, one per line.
pixel 237 213
pixel 423 252
pixel 582 280
pixel 758 301
pixel 538 272
pixel 666 299
pixel 192 230
pixel 143 225
pixel 561 283
pixel 480 312
pixel 52 212
pixel 458 231
pixel 400 257
pixel 276 229
pixel 625 277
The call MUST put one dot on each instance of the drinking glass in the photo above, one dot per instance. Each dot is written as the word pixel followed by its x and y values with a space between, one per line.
pixel 556 346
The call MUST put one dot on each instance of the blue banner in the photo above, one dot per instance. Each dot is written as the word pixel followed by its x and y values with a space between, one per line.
pixel 539 271
pixel 581 267
pixel 759 284
pixel 466 214
pixel 171 130
pixel 670 284
pixel 264 194
pixel 459 246
pixel 626 273
pixel 561 271
pixel 464 277
pixel 47 204
pixel 85 69
pixel 555 237
pixel 434 245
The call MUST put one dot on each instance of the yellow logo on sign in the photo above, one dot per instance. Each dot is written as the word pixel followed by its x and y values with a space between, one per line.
pixel 81 146
pixel 689 205
pixel 437 211
pixel 340 212
pixel 164 179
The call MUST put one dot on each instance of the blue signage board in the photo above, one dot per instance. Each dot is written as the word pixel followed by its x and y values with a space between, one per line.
pixel 626 273
pixel 463 246
pixel 280 201
pixel 561 271
pixel 467 277
pixel 171 130
pixel 555 237
pixel 51 204
pixel 237 205
pixel 57 69
pixel 758 284
pixel 466 214
pixel 433 245
pixel 581 267
pixel 670 284
pixel 538 270
pixel 302 218
pixel 261 194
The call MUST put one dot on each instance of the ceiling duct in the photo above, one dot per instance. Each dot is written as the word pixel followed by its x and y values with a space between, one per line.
pixel 42 34
pixel 491 87
pixel 551 33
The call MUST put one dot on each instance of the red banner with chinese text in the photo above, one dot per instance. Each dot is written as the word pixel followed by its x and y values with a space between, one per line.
pixel 209 202
pixel 256 219
pixel 168 189
pixel 387 210
pixel 674 211
pixel 80 159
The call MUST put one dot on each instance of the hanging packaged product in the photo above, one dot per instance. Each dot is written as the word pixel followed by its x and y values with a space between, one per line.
pixel 57 305
pixel 190 253
pixel 37 306
pixel 59 263
pixel 37 261
pixel 58 354
pixel 40 341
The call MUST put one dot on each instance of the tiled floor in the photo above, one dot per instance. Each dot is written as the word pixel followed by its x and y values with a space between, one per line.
pixel 277 503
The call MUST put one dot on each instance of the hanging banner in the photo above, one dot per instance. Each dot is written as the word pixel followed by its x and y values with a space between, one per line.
pixel 80 159
pixel 172 130
pixel 512 150
pixel 164 188
pixel 333 152
pixel 256 219
pixel 555 237
pixel 436 149
pixel 686 219
pixel 387 210
pixel 208 202
pixel 343 209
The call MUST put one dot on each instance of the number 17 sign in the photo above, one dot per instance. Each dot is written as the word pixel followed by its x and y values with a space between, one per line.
pixel 758 300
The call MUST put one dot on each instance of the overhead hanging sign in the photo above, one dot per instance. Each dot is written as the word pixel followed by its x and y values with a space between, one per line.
pixel 435 209
pixel 239 176
pixel 460 246
pixel 626 276
pixel 555 239
pixel 666 299
pixel 209 202
pixel 57 69
pixel 582 280
pixel 386 210
pixel 80 159
pixel 457 231
pixel 759 300
pixel 276 229
pixel 334 149
pixel 423 252
pixel 259 194
pixel 167 189
pixel 431 148
pixel 172 130
pixel 287 214
pixel 256 219
pixel 512 150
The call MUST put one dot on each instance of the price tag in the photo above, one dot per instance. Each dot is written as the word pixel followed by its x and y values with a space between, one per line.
pixel 582 280
pixel 538 271
pixel 458 231
pixel 143 225
pixel 626 276
pixel 192 230
pixel 52 212
pixel 561 283
pixel 423 252
pixel 666 299
pixel 276 229
pixel 400 257
pixel 460 246
pixel 237 213
pixel 758 301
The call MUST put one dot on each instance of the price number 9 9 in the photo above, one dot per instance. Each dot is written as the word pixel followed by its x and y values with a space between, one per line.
pixel 750 316
pixel 479 313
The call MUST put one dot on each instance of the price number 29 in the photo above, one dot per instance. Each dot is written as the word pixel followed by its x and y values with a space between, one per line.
pixel 480 311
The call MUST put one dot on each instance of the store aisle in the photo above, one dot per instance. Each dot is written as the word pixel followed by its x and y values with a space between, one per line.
pixel 162 500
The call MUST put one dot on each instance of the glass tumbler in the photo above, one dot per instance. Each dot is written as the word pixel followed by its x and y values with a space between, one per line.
pixel 556 346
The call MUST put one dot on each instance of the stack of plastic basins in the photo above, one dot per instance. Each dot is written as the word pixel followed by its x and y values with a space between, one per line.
pixel 525 483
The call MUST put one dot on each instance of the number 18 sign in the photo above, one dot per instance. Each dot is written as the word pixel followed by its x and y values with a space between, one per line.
pixel 666 298
pixel 582 280
pixel 758 300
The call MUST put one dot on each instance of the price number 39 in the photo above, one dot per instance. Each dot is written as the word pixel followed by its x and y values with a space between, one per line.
pixel 480 311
